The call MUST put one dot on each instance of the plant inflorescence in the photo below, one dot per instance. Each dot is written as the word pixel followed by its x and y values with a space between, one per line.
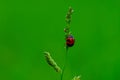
pixel 69 43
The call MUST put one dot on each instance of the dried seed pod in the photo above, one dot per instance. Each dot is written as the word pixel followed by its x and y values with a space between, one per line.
pixel 51 62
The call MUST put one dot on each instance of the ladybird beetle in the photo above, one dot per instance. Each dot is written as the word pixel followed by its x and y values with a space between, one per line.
pixel 70 41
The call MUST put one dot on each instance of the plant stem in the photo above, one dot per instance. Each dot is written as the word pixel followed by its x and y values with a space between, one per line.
pixel 64 66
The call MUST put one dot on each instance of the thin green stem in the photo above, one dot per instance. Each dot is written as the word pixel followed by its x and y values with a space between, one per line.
pixel 64 66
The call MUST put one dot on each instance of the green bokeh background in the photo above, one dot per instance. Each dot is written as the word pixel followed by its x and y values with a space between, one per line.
pixel 30 27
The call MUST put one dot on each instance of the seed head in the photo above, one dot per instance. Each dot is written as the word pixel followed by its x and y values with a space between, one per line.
pixel 76 78
pixel 51 62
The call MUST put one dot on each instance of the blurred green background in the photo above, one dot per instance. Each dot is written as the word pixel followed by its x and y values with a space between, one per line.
pixel 30 27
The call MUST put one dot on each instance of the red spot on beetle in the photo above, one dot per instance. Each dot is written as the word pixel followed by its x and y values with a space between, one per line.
pixel 70 41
